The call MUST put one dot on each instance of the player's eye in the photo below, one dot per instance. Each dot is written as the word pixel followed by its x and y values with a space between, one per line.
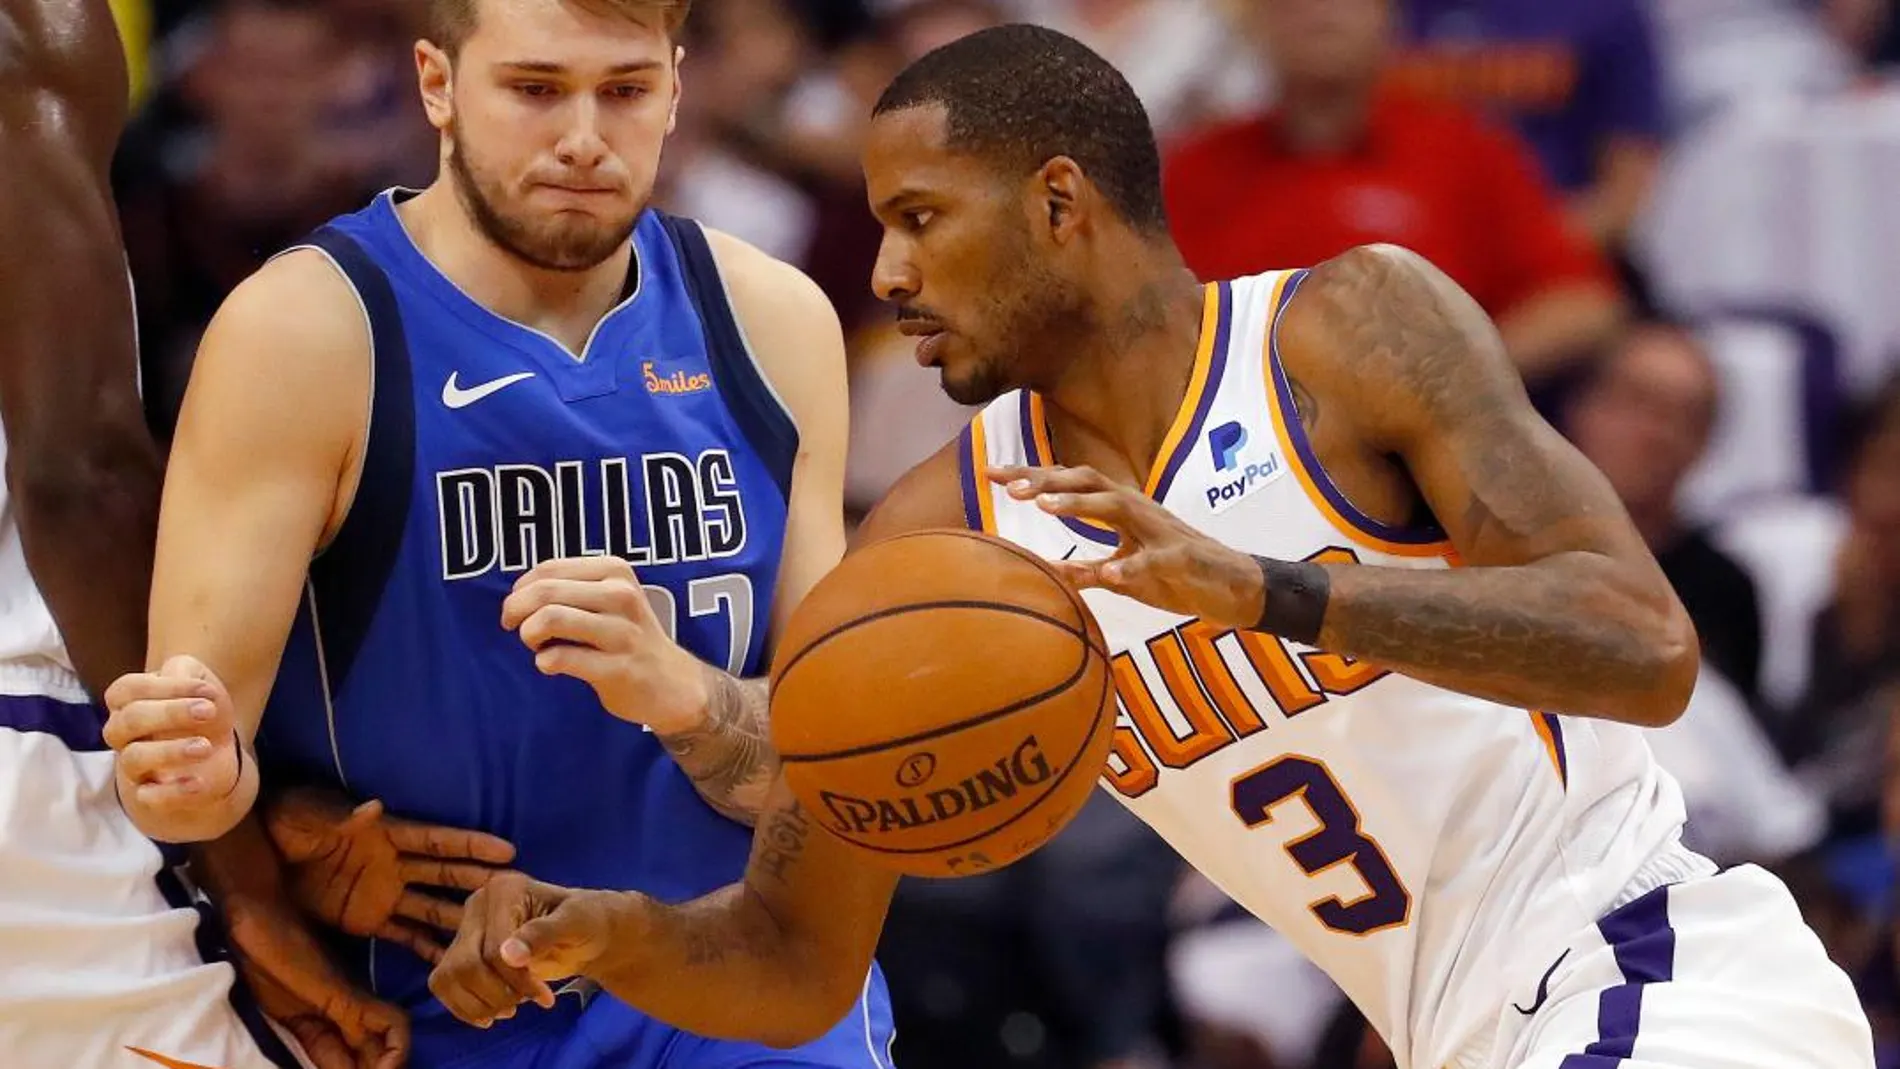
pixel 535 89
pixel 626 92
pixel 918 218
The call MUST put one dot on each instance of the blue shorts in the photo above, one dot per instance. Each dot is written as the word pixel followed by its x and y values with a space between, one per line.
pixel 606 1033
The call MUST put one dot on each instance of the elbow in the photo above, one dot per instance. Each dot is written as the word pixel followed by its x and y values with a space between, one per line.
pixel 87 479
pixel 1671 663
pixel 828 1001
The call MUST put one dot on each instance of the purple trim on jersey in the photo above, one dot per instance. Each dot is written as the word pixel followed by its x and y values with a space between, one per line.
pixel 1410 534
pixel 1037 460
pixel 966 474
pixel 1645 947
pixel 78 724
pixel 1216 367
pixel 1557 744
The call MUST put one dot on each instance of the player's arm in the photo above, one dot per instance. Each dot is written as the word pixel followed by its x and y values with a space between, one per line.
pixel 1562 608
pixel 794 332
pixel 272 420
pixel 82 470
pixel 778 958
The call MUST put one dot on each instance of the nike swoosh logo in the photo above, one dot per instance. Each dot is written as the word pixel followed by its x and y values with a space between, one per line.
pixel 168 1063
pixel 1543 987
pixel 455 396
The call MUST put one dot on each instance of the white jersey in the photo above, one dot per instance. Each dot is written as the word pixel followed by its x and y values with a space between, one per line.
pixel 32 656
pixel 1423 847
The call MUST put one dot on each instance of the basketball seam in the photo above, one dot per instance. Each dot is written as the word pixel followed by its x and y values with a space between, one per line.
pixel 1067 771
pixel 980 719
pixel 1074 598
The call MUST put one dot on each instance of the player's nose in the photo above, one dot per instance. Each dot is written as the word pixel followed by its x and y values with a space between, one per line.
pixel 582 144
pixel 894 277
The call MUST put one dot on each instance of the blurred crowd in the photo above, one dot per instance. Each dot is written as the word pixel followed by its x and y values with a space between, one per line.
pixel 1682 215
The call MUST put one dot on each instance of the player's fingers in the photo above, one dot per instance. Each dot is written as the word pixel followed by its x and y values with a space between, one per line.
pixel 560 623
pixel 1024 483
pixel 579 662
pixel 165 761
pixel 622 597
pixel 472 991
pixel 435 872
pixel 434 840
pixel 142 686
pixel 1079 574
pixel 584 568
pixel 321 1043
pixel 149 718
pixel 1113 507
pixel 435 912
pixel 408 935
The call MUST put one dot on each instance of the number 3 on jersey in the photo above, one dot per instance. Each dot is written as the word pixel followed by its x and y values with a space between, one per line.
pixel 1337 841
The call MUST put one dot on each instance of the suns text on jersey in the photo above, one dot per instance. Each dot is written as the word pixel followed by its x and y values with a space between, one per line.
pixel 655 508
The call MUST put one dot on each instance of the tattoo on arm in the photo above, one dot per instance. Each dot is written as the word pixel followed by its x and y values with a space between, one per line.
pixel 1304 405
pixel 729 755
pixel 781 842
pixel 1563 609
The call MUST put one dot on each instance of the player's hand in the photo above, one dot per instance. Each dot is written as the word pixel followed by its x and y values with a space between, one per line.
pixel 359 869
pixel 338 1026
pixel 1160 559
pixel 175 731
pixel 517 935
pixel 588 617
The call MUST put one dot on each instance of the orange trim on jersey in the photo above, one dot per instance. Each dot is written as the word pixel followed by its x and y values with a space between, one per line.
pixel 1179 437
pixel 976 482
pixel 1552 734
pixel 1314 480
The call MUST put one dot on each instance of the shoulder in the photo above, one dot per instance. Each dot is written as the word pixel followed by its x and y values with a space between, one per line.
pixel 301 302
pixel 790 324
pixel 928 495
pixel 1384 329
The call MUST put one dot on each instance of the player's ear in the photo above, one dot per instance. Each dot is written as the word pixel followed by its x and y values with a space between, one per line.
pixel 1061 185
pixel 673 109
pixel 435 76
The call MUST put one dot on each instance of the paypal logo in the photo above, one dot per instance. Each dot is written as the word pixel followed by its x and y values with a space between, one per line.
pixel 1242 478
pixel 1226 442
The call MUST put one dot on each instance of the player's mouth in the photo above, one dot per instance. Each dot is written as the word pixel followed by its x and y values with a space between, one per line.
pixel 930 339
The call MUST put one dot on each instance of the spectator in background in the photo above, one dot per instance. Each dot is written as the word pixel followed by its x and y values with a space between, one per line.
pixel 1578 78
pixel 1854 685
pixel 248 170
pixel 1643 417
pixel 1345 159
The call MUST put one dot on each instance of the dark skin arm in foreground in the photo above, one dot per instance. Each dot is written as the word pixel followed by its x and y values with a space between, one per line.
pixel 1409 399
pixel 777 959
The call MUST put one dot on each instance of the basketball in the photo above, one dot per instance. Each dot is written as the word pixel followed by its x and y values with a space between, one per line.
pixel 942 701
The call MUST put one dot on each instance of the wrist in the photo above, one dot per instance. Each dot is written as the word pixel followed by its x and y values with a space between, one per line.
pixel 692 708
pixel 1296 596
pixel 626 924
pixel 1245 587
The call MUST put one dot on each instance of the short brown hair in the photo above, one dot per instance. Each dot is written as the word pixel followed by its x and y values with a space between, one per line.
pixel 451 21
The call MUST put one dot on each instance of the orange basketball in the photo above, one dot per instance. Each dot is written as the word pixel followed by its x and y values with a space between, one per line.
pixel 942 701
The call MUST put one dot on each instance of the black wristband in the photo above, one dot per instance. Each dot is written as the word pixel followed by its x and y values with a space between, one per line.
pixel 1295 599
pixel 238 740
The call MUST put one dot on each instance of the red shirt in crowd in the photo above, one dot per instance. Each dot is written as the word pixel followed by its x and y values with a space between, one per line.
pixel 1465 195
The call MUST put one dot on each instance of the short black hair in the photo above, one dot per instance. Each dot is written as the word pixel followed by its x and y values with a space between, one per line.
pixel 1021 95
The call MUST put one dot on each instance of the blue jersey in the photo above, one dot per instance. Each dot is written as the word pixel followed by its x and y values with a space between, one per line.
pixel 491 448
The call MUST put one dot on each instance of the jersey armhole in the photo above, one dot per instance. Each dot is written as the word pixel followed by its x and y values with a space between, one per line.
pixel 762 415
pixel 349 574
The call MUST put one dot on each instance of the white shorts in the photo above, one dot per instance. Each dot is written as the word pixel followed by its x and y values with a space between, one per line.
pixel 93 957
pixel 1715 972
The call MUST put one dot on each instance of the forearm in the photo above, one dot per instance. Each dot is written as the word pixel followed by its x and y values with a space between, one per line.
pixel 240 864
pixel 717 966
pixel 88 542
pixel 1570 633
pixel 728 754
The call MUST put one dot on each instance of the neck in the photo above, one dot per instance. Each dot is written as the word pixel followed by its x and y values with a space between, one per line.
pixel 564 304
pixel 1119 392
pixel 1321 117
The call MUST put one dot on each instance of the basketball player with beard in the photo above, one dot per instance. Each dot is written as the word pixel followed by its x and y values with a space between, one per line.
pixel 468 452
